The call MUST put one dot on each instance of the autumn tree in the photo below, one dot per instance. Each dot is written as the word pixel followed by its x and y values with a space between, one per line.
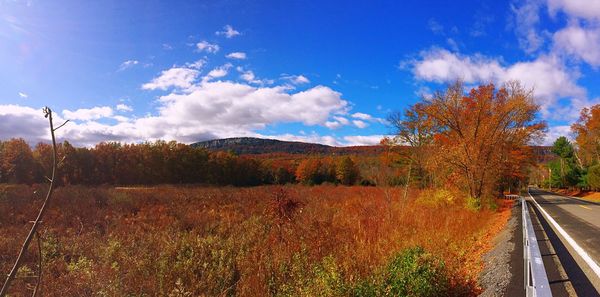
pixel 472 133
pixel 413 128
pixel 587 136
pixel 347 171
pixel 308 171
pixel 16 162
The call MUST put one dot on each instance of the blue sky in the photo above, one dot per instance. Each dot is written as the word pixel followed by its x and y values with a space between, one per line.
pixel 319 71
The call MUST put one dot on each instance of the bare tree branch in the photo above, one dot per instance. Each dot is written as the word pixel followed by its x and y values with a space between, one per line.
pixel 60 126
pixel 34 228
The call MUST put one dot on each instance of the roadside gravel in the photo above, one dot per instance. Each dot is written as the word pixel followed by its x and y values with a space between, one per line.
pixel 496 275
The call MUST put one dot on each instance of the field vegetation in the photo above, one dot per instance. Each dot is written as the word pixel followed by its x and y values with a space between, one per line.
pixel 259 241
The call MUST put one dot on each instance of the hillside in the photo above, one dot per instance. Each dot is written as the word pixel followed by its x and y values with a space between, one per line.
pixel 257 146
pixel 254 146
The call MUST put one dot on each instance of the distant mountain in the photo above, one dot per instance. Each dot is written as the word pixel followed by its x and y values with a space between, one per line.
pixel 252 145
pixel 256 146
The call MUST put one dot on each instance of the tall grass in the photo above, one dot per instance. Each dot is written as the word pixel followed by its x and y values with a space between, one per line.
pixel 260 241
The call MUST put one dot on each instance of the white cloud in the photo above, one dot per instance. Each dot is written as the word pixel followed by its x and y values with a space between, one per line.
pixel 296 79
pixel 582 43
pixel 555 132
pixel 239 105
pixel 196 65
pixel 124 107
pixel 205 46
pixel 128 64
pixel 23 95
pixel 355 140
pixel 587 9
pixel 237 55
pixel 250 77
pixel 547 75
pixel 87 114
pixel 342 120
pixel 440 65
pixel 218 72
pixel 24 122
pixel 228 32
pixel 333 125
pixel 525 21
pixel 175 77
pixel 362 116
pixel 121 118
pixel 360 124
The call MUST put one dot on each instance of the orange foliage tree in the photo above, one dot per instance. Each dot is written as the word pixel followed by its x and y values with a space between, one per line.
pixel 472 135
pixel 587 136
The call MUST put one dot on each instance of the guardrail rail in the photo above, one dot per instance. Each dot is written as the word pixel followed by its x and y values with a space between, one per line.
pixel 536 279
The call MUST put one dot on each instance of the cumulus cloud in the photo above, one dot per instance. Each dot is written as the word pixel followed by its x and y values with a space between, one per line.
pixel 250 77
pixel 228 32
pixel 23 95
pixel 206 110
pixel 177 77
pixel 296 79
pixel 218 72
pixel 555 132
pixel 205 46
pixel 354 140
pixel 87 114
pixel 586 9
pixel 246 107
pixel 362 116
pixel 23 122
pixel 581 43
pixel 237 55
pixel 196 65
pixel 360 124
pixel 124 107
pixel 547 75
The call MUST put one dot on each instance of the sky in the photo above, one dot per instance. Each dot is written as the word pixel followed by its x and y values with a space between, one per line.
pixel 317 71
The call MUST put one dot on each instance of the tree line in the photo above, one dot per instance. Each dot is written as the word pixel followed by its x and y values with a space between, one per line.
pixel 163 162
pixel 577 163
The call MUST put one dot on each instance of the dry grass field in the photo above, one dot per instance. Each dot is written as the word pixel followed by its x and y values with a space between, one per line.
pixel 258 241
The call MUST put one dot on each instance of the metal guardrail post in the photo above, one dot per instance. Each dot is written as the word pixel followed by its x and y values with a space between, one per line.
pixel 535 277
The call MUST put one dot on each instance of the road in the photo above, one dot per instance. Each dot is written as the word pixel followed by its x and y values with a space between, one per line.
pixel 580 220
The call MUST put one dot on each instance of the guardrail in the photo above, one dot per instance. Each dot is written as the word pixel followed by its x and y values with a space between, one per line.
pixel 511 197
pixel 536 279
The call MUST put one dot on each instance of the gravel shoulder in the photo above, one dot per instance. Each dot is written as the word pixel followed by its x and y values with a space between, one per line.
pixel 502 274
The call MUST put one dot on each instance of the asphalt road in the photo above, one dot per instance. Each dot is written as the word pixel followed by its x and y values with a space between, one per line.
pixel 581 221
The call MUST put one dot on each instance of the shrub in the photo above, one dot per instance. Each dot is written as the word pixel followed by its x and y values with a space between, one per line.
pixel 472 204
pixel 415 272
pixel 436 198
pixel 593 177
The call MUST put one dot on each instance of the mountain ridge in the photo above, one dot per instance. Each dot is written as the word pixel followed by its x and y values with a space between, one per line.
pixel 255 145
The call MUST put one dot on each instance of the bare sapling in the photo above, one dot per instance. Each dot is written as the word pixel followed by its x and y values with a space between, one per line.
pixel 38 220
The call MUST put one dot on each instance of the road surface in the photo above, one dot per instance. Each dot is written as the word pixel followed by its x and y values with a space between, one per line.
pixel 580 220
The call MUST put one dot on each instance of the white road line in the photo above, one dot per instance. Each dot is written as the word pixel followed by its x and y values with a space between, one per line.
pixel 584 255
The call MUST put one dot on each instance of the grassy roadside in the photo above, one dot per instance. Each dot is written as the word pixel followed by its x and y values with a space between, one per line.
pixel 586 195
